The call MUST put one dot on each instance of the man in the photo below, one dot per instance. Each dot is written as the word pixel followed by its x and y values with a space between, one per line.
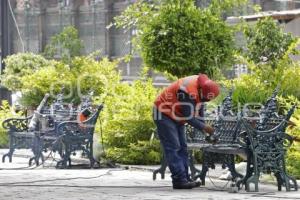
pixel 180 103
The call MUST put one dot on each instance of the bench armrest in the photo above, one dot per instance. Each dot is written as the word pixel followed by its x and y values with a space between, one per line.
pixel 16 124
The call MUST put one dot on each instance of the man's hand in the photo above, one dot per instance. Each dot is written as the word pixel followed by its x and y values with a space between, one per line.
pixel 211 138
pixel 208 129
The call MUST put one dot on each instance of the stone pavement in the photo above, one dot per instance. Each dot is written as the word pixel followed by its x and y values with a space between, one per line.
pixel 17 181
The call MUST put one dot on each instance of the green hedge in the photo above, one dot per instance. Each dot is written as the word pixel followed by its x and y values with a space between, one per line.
pixel 128 126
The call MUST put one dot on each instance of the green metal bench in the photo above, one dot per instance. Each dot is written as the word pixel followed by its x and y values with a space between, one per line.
pixel 75 135
pixel 268 144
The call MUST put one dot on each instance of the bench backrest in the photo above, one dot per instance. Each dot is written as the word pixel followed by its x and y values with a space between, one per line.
pixel 60 111
pixel 227 130
pixel 76 128
pixel 226 124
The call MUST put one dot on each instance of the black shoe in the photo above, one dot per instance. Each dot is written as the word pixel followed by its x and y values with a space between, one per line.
pixel 196 183
pixel 186 185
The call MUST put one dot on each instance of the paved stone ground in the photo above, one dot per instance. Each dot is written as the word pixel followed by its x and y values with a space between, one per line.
pixel 17 181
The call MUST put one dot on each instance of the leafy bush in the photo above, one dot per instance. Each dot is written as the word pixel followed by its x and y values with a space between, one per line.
pixel 5 113
pixel 128 125
pixel 248 89
pixel 287 75
pixel 46 80
pixel 19 65
pixel 142 152
pixel 79 77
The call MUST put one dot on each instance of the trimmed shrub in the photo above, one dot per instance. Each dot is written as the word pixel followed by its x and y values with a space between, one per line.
pixel 128 126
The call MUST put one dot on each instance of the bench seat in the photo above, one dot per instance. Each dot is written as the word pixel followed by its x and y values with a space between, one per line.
pixel 234 149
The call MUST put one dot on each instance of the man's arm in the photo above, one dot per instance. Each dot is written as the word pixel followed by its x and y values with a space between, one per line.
pixel 188 107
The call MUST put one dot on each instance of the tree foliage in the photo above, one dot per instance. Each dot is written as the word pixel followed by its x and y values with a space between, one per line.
pixel 183 40
pixel 223 7
pixel 177 37
pixel 267 43
pixel 66 44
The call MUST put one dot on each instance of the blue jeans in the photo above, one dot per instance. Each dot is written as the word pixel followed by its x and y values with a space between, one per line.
pixel 172 138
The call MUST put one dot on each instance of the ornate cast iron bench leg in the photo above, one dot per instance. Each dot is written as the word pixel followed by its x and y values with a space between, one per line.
pixel 290 183
pixel 203 173
pixel 161 169
pixel 231 167
pixel 36 159
pixel 249 172
pixel 285 180
pixel 11 149
pixel 255 176
pixel 62 164
pixel 205 167
pixel 280 181
pixel 192 166
pixel 90 153
pixel 9 155
pixel 37 149
pixel 253 179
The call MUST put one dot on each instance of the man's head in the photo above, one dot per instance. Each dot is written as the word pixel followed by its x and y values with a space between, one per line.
pixel 208 89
